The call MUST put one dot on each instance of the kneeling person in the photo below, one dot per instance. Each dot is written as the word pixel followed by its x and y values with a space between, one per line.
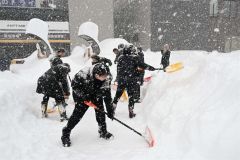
pixel 53 83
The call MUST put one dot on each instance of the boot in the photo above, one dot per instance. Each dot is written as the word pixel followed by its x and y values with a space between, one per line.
pixel 103 133
pixel 44 110
pixel 62 112
pixel 66 137
pixel 131 113
pixel 63 116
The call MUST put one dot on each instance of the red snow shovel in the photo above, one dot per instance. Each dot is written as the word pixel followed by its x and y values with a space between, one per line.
pixel 148 136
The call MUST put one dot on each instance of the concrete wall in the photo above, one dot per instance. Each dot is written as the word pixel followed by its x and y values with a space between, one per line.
pixel 188 25
pixel 143 20
pixel 97 11
pixel 182 24
pixel 132 20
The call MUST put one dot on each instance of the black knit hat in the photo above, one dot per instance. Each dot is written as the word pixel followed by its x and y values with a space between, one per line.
pixel 64 68
pixel 100 69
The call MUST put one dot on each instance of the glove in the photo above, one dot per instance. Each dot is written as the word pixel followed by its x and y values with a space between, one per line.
pixel 110 115
pixel 111 111
pixel 90 104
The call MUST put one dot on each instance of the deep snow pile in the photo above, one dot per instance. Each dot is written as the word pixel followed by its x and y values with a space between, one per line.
pixel 194 113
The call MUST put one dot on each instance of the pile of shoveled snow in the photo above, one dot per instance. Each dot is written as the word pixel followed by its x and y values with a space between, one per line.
pixel 193 113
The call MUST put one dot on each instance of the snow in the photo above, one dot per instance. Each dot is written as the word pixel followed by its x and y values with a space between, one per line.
pixel 39 28
pixel 90 29
pixel 160 37
pixel 216 30
pixel 108 45
pixel 194 113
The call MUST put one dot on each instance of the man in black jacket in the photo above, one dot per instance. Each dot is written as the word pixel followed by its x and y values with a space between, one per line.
pixel 165 56
pixel 106 91
pixel 128 65
pixel 87 85
pixel 53 83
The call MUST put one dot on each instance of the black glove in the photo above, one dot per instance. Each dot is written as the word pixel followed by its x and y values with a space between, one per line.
pixel 110 115
pixel 111 112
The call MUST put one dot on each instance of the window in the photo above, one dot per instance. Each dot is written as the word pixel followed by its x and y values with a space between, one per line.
pixel 213 8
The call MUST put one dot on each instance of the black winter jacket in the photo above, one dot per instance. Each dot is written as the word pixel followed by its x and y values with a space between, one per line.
pixel 165 58
pixel 127 68
pixel 54 82
pixel 86 87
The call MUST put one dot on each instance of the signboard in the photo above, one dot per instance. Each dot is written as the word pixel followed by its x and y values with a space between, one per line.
pixel 17 29
pixel 18 3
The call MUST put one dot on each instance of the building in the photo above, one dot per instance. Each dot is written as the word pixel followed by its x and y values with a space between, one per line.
pixel 184 24
pixel 14 16
pixel 97 11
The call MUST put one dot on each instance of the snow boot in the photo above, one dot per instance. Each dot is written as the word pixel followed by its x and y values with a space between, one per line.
pixel 63 116
pixel 131 113
pixel 66 137
pixel 44 110
pixel 62 112
pixel 103 133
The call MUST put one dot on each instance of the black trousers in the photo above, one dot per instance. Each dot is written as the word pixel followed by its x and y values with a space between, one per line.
pixel 58 99
pixel 80 110
pixel 141 77
pixel 131 90
pixel 107 98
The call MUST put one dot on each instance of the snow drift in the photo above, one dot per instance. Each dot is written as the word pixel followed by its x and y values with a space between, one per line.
pixel 194 113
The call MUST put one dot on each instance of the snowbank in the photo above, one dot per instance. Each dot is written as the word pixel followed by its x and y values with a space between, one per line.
pixel 193 113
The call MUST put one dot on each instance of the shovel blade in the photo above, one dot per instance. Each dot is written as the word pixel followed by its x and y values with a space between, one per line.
pixel 149 137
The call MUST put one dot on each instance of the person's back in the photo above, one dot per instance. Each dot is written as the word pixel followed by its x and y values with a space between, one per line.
pixel 126 68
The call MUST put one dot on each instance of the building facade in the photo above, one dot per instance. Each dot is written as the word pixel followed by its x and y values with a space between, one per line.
pixel 98 11
pixel 14 16
pixel 184 24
